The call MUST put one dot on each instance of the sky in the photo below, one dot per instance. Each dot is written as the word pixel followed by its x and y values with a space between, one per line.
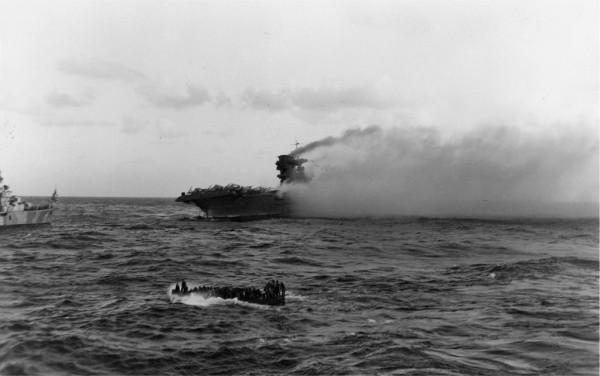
pixel 148 98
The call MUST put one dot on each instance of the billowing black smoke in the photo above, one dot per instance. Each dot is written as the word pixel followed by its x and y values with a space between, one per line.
pixel 347 137
pixel 487 172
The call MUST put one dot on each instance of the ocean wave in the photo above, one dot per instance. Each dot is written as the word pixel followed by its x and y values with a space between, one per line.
pixel 541 268
pixel 90 294
pixel 294 260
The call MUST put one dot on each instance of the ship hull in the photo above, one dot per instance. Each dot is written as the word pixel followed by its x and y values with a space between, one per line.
pixel 235 206
pixel 29 217
pixel 235 202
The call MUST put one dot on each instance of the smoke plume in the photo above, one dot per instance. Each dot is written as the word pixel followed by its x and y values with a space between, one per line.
pixel 347 137
pixel 500 171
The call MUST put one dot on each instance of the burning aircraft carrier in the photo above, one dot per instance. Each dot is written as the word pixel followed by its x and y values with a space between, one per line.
pixel 236 202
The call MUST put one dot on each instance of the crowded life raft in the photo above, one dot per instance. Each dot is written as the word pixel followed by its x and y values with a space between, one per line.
pixel 272 294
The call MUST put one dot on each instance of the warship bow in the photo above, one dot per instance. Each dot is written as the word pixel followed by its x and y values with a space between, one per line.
pixel 16 211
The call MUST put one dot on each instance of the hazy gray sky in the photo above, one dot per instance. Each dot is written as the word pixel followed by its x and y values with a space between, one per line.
pixel 146 98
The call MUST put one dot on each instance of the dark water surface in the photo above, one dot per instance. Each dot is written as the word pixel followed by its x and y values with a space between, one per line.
pixel 409 296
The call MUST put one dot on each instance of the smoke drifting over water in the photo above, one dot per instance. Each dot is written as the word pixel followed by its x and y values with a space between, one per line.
pixel 498 171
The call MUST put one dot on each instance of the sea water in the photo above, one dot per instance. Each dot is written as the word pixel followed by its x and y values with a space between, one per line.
pixel 89 294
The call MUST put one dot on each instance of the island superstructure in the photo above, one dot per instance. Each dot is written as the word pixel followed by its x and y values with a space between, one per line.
pixel 234 201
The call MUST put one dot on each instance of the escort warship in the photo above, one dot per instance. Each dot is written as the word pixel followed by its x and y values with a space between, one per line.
pixel 16 211
pixel 235 202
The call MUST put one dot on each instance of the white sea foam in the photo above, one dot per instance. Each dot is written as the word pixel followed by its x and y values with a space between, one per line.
pixel 291 296
pixel 201 300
